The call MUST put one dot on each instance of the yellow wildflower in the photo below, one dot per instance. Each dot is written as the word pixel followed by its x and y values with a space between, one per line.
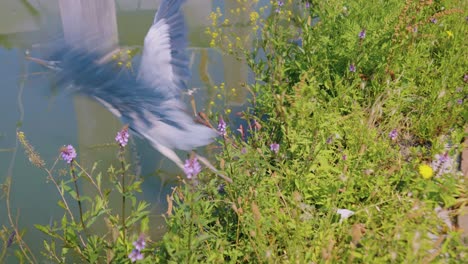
pixel 254 16
pixel 449 33
pixel 426 171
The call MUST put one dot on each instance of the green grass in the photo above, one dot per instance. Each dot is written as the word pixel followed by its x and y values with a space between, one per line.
pixel 333 127
pixel 335 152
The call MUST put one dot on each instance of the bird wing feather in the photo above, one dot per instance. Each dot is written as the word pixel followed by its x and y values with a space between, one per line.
pixel 164 64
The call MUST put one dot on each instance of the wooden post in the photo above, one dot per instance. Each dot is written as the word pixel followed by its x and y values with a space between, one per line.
pixel 90 24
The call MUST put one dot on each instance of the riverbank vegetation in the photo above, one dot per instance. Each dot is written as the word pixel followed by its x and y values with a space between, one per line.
pixel 349 149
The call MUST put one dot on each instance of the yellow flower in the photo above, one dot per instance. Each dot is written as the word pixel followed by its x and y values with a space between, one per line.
pixel 449 33
pixel 426 171
pixel 254 16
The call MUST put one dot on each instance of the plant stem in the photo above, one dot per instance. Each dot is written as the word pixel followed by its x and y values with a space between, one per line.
pixel 73 173
pixel 189 246
pixel 122 162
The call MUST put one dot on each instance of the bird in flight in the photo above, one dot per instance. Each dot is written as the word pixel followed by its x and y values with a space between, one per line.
pixel 149 103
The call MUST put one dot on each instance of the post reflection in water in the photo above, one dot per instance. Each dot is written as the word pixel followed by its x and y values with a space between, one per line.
pixel 95 127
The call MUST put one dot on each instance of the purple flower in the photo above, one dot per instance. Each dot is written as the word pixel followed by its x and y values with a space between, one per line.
pixel 222 126
pixel 10 239
pixel 68 153
pixel 460 101
pixel 122 137
pixel 275 147
pixel 135 255
pixel 221 189
pixel 393 134
pixel 280 4
pixel 307 4
pixel 243 150
pixel 362 34
pixel 433 20
pixel 442 164
pixel 465 77
pixel 352 67
pixel 344 157
pixel 140 243
pixel 329 140
pixel 192 168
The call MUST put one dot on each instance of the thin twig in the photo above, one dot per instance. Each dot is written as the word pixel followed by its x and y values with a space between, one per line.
pixel 90 179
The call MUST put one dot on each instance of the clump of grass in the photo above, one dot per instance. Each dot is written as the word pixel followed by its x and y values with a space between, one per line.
pixel 341 122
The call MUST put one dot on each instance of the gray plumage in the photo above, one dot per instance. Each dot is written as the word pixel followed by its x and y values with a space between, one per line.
pixel 149 103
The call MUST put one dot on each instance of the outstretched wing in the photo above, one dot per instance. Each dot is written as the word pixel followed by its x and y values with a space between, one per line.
pixel 164 63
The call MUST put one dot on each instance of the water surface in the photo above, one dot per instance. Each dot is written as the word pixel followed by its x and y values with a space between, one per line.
pixel 50 119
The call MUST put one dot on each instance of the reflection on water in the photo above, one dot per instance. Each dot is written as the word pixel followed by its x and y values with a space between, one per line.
pixel 50 119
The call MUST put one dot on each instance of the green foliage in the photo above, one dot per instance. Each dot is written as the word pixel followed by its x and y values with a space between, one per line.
pixel 333 126
pixel 71 241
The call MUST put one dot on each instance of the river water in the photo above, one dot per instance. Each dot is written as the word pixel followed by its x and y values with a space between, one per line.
pixel 30 102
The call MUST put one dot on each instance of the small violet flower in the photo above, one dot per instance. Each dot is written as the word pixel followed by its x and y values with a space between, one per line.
pixel 135 255
pixel 393 134
pixel 280 4
pixel 307 5
pixel 140 243
pixel 11 239
pixel 222 126
pixel 122 137
pixel 433 20
pixel 221 189
pixel 192 168
pixel 275 147
pixel 442 164
pixel 362 34
pixel 68 153
pixel 352 67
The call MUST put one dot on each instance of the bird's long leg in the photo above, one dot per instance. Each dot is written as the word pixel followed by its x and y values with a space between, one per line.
pixel 211 167
pixel 169 153
pixel 48 64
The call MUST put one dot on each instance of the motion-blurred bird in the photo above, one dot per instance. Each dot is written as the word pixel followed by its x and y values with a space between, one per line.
pixel 149 103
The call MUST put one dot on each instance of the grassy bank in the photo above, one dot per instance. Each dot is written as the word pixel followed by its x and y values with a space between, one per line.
pixel 367 103
pixel 348 151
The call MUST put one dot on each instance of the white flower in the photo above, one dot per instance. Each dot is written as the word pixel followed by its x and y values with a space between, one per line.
pixel 344 214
